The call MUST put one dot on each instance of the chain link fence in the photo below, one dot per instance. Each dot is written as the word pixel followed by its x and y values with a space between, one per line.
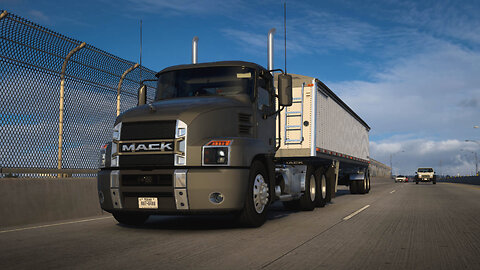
pixel 52 118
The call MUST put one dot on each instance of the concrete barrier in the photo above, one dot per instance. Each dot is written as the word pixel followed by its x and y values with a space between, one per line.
pixel 26 201
pixel 471 180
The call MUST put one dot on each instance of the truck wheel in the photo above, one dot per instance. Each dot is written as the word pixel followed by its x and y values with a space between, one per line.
pixel 416 182
pixel 362 186
pixel 135 219
pixel 353 187
pixel 368 184
pixel 310 196
pixel 323 188
pixel 254 212
pixel 434 182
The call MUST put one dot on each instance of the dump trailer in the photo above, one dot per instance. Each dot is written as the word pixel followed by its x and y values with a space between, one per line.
pixel 231 137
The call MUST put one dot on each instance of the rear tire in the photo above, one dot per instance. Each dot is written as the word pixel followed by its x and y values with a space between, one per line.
pixel 368 184
pixel 133 219
pixel 353 187
pixel 362 186
pixel 416 182
pixel 254 213
pixel 323 188
pixel 310 196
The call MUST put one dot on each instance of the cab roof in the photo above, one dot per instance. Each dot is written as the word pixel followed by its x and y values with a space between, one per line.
pixel 214 64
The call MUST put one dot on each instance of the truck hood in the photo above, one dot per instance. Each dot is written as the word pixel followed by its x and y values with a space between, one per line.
pixel 185 109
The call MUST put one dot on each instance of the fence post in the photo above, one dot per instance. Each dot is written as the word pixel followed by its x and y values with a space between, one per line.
pixel 62 100
pixel 120 85
pixel 3 15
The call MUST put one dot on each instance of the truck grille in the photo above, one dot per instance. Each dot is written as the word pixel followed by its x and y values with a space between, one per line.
pixel 150 130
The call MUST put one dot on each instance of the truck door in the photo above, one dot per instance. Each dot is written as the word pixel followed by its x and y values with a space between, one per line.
pixel 264 107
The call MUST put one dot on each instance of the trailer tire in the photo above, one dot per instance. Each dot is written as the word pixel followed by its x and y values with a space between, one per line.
pixel 416 182
pixel 254 213
pixel 368 184
pixel 362 186
pixel 353 187
pixel 133 219
pixel 323 188
pixel 309 198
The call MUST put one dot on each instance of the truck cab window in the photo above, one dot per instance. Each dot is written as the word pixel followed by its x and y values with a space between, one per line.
pixel 206 81
pixel 263 93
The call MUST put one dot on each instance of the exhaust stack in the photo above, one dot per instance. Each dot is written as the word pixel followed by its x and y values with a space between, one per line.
pixel 195 50
pixel 270 48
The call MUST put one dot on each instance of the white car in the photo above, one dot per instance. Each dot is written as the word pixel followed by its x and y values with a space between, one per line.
pixel 401 178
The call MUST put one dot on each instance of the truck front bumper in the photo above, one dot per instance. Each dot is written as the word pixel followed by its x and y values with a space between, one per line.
pixel 191 190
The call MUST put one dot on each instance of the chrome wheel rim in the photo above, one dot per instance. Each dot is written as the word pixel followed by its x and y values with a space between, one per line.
pixel 260 193
pixel 313 188
pixel 324 187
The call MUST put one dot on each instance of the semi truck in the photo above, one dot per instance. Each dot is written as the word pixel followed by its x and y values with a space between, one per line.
pixel 232 137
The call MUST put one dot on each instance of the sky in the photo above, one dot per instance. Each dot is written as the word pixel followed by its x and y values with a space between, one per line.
pixel 410 69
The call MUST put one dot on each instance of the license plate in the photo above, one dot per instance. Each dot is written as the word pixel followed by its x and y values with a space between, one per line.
pixel 148 203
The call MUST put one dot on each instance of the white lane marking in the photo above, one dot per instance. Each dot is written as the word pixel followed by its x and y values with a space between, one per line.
pixel 356 212
pixel 51 225
pixel 392 191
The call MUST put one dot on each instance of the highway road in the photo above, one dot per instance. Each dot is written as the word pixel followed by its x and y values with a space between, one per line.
pixel 396 226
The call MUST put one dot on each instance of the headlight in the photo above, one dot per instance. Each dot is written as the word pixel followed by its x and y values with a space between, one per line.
pixel 216 153
pixel 103 156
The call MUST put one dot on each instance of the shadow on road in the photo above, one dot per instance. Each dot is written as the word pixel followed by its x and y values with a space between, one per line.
pixel 213 221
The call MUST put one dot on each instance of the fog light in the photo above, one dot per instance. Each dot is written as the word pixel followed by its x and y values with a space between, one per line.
pixel 216 197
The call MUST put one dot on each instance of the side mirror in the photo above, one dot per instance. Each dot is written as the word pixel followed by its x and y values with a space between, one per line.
pixel 142 95
pixel 284 90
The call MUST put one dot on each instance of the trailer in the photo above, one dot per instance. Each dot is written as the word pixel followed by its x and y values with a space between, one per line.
pixel 231 137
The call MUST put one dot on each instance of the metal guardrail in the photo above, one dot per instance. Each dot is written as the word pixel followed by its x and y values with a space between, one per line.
pixel 59 96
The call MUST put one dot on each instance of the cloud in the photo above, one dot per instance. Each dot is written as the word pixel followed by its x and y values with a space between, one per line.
pixel 39 16
pixel 430 94
pixel 450 157
pixel 182 7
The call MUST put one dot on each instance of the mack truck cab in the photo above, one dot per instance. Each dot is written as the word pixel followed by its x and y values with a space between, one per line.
pixel 205 144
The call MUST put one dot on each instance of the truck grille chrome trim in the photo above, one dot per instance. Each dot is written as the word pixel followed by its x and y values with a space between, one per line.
pixel 180 157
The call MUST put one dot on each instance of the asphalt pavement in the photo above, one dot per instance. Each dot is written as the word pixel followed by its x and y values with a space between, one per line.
pixel 396 226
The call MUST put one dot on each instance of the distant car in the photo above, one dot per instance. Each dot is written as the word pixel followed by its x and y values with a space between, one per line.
pixel 401 178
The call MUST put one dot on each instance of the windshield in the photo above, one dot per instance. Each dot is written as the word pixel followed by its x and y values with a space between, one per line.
pixel 209 81
pixel 425 170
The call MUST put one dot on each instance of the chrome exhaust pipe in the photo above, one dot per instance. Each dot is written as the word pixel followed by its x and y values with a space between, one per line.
pixel 270 48
pixel 195 50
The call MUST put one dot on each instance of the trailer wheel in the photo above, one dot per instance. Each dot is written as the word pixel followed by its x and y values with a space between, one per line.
pixel 323 188
pixel 362 186
pixel 310 197
pixel 353 187
pixel 135 219
pixel 368 183
pixel 254 212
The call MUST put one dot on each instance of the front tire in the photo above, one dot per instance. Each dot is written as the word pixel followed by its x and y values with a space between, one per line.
pixel 254 213
pixel 133 219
